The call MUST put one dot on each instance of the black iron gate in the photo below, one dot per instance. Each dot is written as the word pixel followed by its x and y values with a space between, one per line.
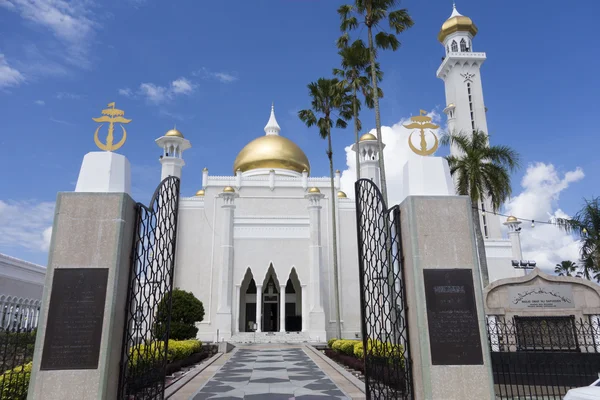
pixel 148 312
pixel 543 357
pixel 382 298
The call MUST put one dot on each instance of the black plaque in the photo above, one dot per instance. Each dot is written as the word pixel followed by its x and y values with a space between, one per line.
pixel 75 314
pixel 452 317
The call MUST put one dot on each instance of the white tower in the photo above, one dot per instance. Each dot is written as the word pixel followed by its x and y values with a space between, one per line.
pixel 465 107
pixel 173 144
pixel 368 154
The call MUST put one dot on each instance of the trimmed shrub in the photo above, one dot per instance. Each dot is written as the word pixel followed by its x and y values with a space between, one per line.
pixel 330 342
pixel 337 345
pixel 358 350
pixel 186 310
pixel 15 382
pixel 348 347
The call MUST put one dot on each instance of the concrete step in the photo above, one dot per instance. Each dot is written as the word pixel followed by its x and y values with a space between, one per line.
pixel 270 337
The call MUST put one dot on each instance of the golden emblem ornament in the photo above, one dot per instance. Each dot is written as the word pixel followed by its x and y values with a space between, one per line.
pixel 112 116
pixel 422 122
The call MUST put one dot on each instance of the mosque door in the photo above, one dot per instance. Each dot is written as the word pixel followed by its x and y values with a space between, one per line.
pixel 270 307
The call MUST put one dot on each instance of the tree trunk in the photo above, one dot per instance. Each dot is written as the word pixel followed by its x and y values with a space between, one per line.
pixel 377 117
pixel 356 133
pixel 334 227
pixel 480 246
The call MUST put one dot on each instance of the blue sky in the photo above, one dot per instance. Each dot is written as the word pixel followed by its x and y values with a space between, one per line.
pixel 62 62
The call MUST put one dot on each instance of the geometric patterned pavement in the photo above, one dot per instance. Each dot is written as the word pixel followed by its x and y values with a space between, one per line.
pixel 282 374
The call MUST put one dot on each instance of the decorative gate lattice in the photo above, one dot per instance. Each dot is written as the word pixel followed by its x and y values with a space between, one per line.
pixel 148 312
pixel 382 296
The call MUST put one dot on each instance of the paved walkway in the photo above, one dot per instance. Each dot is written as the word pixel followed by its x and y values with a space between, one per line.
pixel 269 374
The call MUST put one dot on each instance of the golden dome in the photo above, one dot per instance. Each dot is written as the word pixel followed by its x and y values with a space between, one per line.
pixel 204 169
pixel 314 190
pixel 271 151
pixel 174 132
pixel 367 136
pixel 200 193
pixel 456 23
pixel 342 195
pixel 511 219
pixel 228 189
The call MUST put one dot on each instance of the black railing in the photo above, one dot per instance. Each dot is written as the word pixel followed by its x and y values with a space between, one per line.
pixel 18 327
pixel 543 357
pixel 382 296
pixel 148 313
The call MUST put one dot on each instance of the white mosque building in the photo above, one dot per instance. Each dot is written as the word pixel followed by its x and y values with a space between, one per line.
pixel 256 246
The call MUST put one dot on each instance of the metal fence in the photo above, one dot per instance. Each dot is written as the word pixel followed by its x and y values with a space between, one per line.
pixel 543 357
pixel 382 296
pixel 148 312
pixel 18 327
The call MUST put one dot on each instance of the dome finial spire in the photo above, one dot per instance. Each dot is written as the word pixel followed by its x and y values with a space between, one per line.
pixel 455 12
pixel 272 127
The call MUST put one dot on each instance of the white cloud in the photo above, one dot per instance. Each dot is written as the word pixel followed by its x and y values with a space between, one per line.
pixel 8 75
pixel 69 21
pixel 26 224
pixel 182 86
pixel 396 153
pixel 62 122
pixel 222 76
pixel 160 94
pixel 126 92
pixel 542 186
pixel 40 102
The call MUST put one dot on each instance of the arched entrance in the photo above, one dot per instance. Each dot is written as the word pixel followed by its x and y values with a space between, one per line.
pixel 270 302
pixel 247 303
pixel 293 303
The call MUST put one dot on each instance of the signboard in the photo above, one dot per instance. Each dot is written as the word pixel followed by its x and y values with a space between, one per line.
pixel 452 317
pixel 541 297
pixel 75 315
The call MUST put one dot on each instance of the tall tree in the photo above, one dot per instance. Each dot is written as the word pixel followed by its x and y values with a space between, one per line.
pixel 373 13
pixel 566 268
pixel 481 171
pixel 355 74
pixel 329 101
pixel 586 224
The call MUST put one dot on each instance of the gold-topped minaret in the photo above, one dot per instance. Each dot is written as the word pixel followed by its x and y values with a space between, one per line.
pixel 111 115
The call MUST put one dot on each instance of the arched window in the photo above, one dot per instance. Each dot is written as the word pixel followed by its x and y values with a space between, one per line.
pixel 454 46
pixel 463 45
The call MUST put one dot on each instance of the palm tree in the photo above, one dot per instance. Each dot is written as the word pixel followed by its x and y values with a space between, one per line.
pixel 355 63
pixel 587 270
pixel 586 224
pixel 327 98
pixel 373 13
pixel 565 268
pixel 481 171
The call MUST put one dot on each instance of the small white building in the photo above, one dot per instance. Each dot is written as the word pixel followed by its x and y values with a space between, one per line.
pixel 21 287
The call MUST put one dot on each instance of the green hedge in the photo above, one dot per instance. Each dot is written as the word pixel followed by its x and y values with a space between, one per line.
pixel 14 383
pixel 375 348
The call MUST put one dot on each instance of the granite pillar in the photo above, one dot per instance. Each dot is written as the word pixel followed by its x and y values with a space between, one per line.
pixel 79 339
pixel 446 320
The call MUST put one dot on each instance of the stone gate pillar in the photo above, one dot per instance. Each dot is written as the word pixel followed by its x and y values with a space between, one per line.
pixel 79 339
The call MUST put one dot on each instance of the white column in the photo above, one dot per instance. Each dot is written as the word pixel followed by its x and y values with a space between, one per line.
pixel 281 308
pixel 305 325
pixel 224 314
pixel 258 308
pixel 317 314
pixel 514 234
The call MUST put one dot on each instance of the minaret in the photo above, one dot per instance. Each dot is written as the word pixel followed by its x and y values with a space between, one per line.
pixel 368 154
pixel 514 234
pixel 173 144
pixel 465 108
